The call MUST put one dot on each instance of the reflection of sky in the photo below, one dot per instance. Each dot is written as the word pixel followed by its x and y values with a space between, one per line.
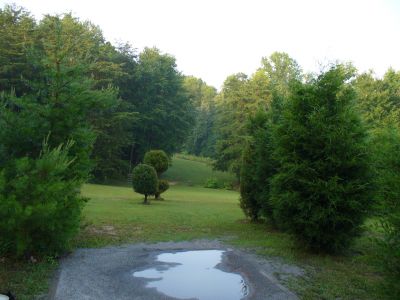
pixel 194 277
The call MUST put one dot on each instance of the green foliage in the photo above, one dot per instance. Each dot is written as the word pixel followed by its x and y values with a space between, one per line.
pixel 113 136
pixel 281 69
pixel 164 109
pixel 258 166
pixel 379 99
pixel 248 185
pixel 60 99
pixel 218 183
pixel 16 27
pixel 144 180
pixel 163 186
pixel 387 178
pixel 158 159
pixel 241 97
pixel 212 183
pixel 40 204
pixel 111 102
pixel 201 139
pixel 321 190
pixel 72 59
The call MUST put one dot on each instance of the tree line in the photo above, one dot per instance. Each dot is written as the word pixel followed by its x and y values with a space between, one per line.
pixel 118 101
pixel 73 108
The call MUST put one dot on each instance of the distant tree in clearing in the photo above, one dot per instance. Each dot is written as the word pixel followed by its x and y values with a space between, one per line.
pixel 159 160
pixel 144 180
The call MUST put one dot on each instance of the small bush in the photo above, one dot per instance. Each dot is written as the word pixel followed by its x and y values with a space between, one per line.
pixel 229 185
pixel 158 159
pixel 144 180
pixel 213 183
pixel 40 205
pixel 163 186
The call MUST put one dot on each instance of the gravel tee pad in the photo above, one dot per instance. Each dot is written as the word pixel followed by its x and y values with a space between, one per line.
pixel 202 269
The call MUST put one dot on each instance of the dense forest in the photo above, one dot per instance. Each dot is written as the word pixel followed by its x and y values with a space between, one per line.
pixel 315 154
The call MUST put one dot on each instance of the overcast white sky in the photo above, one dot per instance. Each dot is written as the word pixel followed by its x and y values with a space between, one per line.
pixel 212 39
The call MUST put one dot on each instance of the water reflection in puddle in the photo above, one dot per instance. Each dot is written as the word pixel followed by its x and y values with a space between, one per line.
pixel 192 274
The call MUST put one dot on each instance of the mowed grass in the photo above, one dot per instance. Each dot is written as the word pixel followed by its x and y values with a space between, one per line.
pixel 189 171
pixel 115 215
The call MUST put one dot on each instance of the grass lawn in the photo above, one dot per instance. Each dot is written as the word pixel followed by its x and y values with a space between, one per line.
pixel 115 215
pixel 191 171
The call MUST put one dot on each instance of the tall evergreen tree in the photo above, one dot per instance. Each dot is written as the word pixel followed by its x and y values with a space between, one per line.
pixel 251 181
pixel 258 164
pixel 17 39
pixel 321 190
pixel 386 161
pixel 40 181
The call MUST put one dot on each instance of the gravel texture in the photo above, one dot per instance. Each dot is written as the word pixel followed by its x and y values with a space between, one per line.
pixel 106 273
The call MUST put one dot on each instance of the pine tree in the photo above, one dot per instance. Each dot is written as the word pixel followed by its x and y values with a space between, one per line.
pixel 321 190
pixel 386 145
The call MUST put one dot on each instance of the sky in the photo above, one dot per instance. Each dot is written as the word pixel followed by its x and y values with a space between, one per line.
pixel 212 39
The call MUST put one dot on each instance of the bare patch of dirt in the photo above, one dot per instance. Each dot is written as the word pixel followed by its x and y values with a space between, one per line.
pixel 102 230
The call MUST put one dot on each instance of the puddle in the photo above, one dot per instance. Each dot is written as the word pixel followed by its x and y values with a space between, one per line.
pixel 192 274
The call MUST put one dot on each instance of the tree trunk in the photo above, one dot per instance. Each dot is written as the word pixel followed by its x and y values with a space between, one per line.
pixel 145 199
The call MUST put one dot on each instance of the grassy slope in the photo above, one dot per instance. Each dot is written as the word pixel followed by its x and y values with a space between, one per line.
pixel 115 215
pixel 190 172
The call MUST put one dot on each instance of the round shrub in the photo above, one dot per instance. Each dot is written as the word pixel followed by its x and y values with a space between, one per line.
pixel 163 186
pixel 144 180
pixel 158 159
pixel 212 183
